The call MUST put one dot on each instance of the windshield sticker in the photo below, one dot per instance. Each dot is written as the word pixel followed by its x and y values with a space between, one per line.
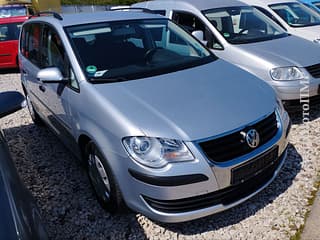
pixel 91 69
pixel 226 35
pixel 100 73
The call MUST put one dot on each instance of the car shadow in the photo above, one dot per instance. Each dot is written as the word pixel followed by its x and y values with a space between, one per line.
pixel 282 182
pixel 62 188
pixel 9 70
pixel 298 116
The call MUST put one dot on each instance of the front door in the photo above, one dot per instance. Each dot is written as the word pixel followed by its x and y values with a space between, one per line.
pixel 56 95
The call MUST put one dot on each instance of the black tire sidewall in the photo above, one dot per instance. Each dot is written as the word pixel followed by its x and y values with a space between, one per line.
pixel 115 199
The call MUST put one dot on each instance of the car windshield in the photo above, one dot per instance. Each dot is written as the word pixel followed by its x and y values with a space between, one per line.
pixel 243 24
pixel 9 31
pixel 12 11
pixel 317 4
pixel 312 6
pixel 126 50
pixel 296 14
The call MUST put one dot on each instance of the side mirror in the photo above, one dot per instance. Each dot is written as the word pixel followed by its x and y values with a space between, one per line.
pixel 198 34
pixel 50 75
pixel 11 102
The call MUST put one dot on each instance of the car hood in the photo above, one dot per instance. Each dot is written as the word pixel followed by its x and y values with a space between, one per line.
pixel 191 104
pixel 311 33
pixel 287 51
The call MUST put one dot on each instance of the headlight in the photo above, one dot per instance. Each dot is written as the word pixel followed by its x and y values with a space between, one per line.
pixel 156 152
pixel 284 117
pixel 287 73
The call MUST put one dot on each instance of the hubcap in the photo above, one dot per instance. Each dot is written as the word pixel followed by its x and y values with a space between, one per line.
pixel 99 177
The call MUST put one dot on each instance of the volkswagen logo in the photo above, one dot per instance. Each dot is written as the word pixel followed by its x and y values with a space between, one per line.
pixel 252 138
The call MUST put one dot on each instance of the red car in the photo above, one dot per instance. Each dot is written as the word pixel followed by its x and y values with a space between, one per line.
pixel 9 35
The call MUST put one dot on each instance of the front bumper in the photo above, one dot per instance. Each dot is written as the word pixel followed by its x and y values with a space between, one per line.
pixel 185 209
pixel 296 90
pixel 175 202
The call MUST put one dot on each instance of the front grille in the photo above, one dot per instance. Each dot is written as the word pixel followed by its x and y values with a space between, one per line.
pixel 233 145
pixel 245 171
pixel 314 70
pixel 224 196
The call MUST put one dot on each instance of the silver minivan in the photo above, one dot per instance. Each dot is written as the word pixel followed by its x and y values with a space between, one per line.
pixel 161 124
pixel 242 35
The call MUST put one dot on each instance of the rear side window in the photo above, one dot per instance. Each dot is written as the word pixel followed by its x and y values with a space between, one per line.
pixel 10 31
pixel 30 43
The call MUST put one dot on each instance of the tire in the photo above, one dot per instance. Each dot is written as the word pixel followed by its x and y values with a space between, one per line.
pixel 103 182
pixel 33 114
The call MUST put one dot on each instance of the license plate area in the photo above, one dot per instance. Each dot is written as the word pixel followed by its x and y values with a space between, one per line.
pixel 252 168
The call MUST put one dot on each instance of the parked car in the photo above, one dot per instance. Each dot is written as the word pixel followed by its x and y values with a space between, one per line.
pixel 162 125
pixel 293 16
pixel 20 218
pixel 9 36
pixel 242 35
pixel 313 4
pixel 16 10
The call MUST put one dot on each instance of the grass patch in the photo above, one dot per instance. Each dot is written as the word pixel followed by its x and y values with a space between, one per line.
pixel 311 200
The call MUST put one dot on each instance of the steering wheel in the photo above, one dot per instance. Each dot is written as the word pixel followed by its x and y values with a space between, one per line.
pixel 149 54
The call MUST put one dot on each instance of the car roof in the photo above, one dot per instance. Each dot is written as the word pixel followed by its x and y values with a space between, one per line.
pixel 205 4
pixel 267 2
pixel 103 16
pixel 13 19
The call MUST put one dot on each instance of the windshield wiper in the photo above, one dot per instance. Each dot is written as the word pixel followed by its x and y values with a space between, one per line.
pixel 108 80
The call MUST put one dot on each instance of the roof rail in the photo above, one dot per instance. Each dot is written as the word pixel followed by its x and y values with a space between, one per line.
pixel 54 14
pixel 146 10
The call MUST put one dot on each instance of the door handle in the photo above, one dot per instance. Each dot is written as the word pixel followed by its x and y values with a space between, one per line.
pixel 24 73
pixel 42 88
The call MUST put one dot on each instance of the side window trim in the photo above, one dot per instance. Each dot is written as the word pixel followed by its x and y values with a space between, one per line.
pixel 160 12
pixel 269 15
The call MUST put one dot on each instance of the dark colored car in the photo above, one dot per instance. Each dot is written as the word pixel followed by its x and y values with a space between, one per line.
pixel 20 218
pixel 9 35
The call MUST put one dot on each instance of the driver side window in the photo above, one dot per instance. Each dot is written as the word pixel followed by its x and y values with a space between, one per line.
pixel 54 55
pixel 52 51
pixel 190 23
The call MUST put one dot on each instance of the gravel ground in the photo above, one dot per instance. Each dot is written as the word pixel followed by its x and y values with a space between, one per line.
pixel 70 210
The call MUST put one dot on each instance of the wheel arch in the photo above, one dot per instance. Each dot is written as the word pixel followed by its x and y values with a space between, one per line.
pixel 83 140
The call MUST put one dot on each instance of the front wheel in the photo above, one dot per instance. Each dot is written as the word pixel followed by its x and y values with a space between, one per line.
pixel 103 181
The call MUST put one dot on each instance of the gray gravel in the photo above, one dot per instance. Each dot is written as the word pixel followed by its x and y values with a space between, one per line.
pixel 70 210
